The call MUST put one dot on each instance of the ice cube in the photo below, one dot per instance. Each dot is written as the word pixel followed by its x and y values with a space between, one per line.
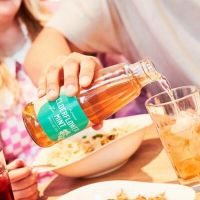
pixel 189 168
pixel 184 121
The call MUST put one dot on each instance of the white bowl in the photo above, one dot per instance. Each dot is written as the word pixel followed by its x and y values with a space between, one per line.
pixel 109 190
pixel 106 158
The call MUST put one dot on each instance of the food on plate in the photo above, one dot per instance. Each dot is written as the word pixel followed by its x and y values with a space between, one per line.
pixel 123 196
pixel 71 150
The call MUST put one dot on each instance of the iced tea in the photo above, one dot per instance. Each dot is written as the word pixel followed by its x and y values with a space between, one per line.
pixel 5 187
pixel 182 142
pixel 178 124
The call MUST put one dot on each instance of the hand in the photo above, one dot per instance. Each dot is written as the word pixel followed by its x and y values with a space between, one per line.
pixel 73 71
pixel 23 181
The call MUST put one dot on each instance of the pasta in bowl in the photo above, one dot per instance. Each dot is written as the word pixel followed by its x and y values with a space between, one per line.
pixel 94 153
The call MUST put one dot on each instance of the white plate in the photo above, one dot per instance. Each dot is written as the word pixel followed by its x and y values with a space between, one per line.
pixel 109 189
pixel 107 157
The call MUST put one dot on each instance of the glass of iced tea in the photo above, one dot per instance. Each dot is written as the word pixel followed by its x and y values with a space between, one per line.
pixel 5 186
pixel 176 114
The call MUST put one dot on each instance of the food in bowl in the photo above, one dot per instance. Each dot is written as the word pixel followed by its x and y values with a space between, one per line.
pixel 123 196
pixel 105 157
pixel 71 150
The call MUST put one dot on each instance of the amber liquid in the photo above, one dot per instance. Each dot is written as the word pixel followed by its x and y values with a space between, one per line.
pixel 98 102
pixel 102 101
pixel 182 145
pixel 164 83
pixel 184 152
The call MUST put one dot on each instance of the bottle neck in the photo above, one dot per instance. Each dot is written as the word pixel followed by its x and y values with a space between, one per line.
pixel 144 71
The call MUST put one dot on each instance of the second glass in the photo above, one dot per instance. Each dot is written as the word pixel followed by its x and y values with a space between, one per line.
pixel 178 124
pixel 5 186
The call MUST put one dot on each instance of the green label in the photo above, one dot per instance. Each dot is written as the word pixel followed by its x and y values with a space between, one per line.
pixel 62 118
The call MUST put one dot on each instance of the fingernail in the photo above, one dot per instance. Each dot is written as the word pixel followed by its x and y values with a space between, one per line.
pixel 52 93
pixel 41 92
pixel 70 90
pixel 84 80
pixel 35 173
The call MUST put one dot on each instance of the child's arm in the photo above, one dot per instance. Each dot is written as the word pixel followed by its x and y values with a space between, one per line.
pixel 23 181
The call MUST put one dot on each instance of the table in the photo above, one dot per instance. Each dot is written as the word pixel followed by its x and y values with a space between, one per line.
pixel 149 163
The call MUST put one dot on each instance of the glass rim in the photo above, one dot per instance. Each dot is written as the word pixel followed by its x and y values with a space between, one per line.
pixel 196 89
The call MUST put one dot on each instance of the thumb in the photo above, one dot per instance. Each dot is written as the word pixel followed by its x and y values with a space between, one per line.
pixel 15 164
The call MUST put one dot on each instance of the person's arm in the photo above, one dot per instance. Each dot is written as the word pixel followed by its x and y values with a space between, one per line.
pixel 48 65
pixel 45 49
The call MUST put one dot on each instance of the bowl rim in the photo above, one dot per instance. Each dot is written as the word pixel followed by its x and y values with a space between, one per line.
pixel 146 116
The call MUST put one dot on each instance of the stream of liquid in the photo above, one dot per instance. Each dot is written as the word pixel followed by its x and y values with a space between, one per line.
pixel 164 83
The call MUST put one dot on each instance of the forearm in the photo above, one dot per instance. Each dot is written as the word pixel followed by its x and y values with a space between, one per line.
pixel 48 72
pixel 46 48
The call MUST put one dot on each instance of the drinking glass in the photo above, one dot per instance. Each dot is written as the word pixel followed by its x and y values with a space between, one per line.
pixel 177 118
pixel 5 186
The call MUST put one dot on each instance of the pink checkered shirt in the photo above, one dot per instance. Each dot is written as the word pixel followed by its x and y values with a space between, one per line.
pixel 16 141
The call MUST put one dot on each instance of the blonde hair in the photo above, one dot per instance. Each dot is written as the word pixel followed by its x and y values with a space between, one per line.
pixel 9 82
pixel 34 16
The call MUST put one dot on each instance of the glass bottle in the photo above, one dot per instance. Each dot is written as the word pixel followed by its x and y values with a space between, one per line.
pixel 113 87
